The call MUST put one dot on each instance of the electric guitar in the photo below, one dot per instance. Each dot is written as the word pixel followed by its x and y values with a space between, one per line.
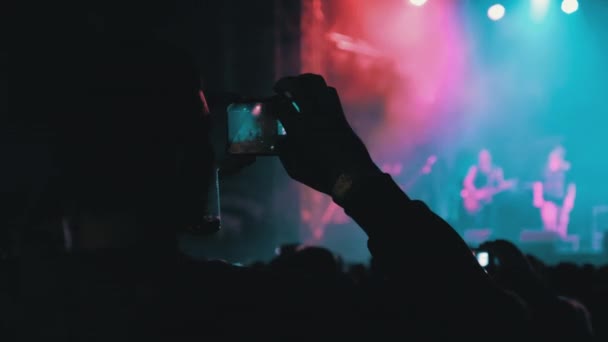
pixel 476 199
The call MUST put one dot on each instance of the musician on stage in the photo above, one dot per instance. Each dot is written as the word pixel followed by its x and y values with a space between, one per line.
pixel 482 182
pixel 553 195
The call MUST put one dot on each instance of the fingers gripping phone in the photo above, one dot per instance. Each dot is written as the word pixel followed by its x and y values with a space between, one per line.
pixel 252 129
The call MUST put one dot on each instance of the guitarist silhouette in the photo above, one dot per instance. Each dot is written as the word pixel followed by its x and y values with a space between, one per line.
pixel 482 182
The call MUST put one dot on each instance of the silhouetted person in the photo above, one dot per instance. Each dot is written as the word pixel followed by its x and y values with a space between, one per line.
pixel 482 183
pixel 555 195
pixel 131 139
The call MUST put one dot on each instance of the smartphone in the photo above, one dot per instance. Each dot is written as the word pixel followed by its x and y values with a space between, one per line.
pixel 483 258
pixel 252 130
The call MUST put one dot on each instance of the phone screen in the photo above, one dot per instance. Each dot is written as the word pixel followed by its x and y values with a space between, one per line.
pixel 483 258
pixel 251 130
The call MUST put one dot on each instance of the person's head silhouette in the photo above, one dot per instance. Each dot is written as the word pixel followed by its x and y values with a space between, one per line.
pixel 131 134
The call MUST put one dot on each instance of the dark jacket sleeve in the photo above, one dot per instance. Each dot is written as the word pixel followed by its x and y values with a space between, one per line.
pixel 427 265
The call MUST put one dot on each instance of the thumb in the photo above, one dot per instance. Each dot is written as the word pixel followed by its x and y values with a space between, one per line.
pixel 284 110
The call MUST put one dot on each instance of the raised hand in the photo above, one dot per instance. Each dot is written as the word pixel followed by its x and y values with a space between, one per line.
pixel 320 145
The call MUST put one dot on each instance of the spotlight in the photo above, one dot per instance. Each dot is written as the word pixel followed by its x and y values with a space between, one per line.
pixel 540 8
pixel 569 6
pixel 496 12
pixel 418 2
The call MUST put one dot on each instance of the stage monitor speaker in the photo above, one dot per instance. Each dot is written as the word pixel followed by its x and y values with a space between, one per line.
pixel 539 243
pixel 538 236
pixel 600 219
